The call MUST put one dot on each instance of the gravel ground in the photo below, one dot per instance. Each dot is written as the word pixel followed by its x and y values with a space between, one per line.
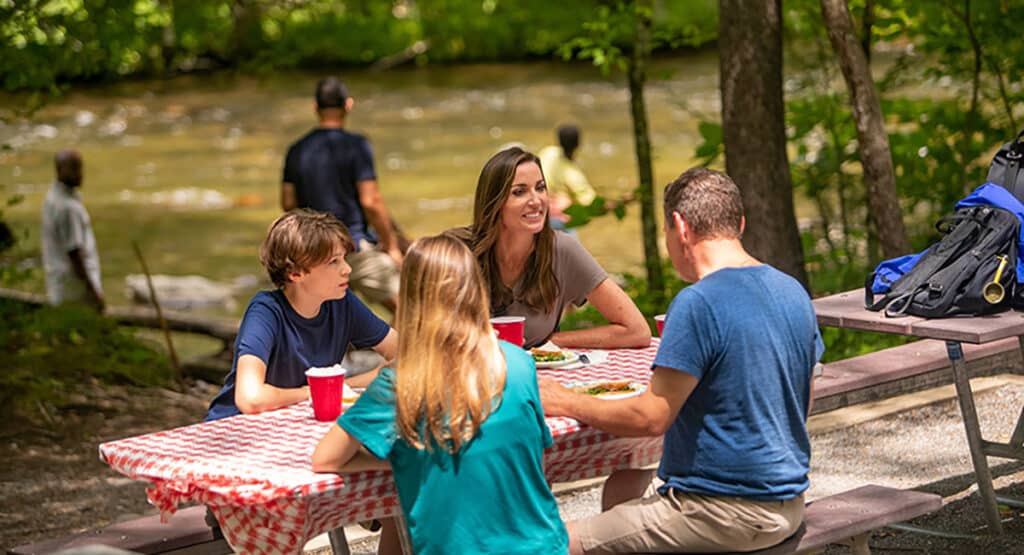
pixel 53 485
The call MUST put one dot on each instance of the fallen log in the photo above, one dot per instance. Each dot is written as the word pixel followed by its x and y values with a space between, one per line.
pixel 224 329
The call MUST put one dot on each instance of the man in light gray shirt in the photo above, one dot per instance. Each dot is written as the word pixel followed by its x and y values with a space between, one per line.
pixel 70 258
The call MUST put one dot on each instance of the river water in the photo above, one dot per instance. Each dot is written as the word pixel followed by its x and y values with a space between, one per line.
pixel 190 168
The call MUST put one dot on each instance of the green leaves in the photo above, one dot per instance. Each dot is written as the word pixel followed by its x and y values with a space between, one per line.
pixel 581 214
pixel 712 145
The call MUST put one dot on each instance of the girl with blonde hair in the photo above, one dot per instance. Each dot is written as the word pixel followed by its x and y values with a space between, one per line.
pixel 459 418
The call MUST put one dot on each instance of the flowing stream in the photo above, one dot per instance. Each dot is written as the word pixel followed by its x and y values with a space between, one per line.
pixel 190 167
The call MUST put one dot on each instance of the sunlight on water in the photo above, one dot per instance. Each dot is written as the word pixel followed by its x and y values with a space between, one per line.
pixel 191 167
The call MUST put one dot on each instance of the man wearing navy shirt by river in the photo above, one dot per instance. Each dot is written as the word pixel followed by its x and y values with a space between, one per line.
pixel 309 320
pixel 331 170
pixel 730 392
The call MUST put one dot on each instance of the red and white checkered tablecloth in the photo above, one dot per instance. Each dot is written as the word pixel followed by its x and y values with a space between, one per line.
pixel 253 471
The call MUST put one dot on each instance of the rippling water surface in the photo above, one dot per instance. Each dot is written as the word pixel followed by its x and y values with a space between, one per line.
pixel 191 167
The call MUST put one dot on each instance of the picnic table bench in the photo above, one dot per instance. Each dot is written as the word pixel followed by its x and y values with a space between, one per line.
pixel 906 368
pixel 185 532
pixel 848 517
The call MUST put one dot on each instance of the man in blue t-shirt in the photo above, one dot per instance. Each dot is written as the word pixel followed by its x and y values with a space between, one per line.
pixel 308 321
pixel 730 391
pixel 331 170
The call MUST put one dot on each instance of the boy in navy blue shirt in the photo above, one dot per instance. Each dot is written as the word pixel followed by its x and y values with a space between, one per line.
pixel 309 320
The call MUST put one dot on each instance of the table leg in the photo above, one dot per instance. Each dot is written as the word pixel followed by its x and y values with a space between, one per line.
pixel 403 534
pixel 1017 439
pixel 970 415
pixel 339 543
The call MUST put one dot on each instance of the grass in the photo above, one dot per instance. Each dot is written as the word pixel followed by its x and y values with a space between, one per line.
pixel 50 352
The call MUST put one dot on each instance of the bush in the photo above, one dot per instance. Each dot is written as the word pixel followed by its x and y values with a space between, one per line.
pixel 50 352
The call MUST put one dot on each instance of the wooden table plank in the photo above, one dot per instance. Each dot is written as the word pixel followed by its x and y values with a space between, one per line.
pixel 846 310
pixel 974 329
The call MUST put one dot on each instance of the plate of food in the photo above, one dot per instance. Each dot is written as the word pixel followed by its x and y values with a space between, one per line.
pixel 610 389
pixel 553 357
pixel 349 395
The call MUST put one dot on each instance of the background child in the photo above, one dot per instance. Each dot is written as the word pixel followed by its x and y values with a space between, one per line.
pixel 309 320
pixel 459 419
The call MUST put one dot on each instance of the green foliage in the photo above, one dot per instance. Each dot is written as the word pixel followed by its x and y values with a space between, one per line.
pixel 50 352
pixel 11 252
pixel 609 31
pixel 582 214
pixel 44 43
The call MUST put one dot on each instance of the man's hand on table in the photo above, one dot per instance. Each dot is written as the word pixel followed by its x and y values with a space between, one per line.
pixel 555 398
pixel 648 414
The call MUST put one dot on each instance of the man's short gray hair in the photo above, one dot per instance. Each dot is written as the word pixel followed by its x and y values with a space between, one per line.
pixel 708 201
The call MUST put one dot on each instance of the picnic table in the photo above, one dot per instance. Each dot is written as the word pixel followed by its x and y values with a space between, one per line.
pixel 253 471
pixel 846 310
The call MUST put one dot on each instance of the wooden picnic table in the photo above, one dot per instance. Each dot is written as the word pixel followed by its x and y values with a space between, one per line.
pixel 253 471
pixel 846 310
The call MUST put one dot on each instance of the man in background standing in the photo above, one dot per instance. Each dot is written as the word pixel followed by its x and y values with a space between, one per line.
pixel 70 259
pixel 331 170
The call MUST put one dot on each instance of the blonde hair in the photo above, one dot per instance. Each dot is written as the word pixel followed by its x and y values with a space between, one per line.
pixel 450 371
pixel 299 240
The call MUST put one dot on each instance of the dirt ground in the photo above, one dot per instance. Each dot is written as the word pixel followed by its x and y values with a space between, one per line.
pixel 54 484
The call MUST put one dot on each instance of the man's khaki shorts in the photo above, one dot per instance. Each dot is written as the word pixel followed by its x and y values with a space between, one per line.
pixel 374 273
pixel 684 522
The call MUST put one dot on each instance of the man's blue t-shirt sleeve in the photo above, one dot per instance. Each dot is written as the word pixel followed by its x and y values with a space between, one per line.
pixel 371 420
pixel 290 173
pixel 364 161
pixel 689 317
pixel 257 333
pixel 367 329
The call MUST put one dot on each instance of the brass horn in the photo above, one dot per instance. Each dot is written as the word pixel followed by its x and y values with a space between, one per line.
pixel 994 291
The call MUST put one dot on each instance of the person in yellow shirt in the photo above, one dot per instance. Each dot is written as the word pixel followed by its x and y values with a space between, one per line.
pixel 567 184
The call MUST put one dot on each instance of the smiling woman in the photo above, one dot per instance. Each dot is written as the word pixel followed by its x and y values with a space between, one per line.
pixel 535 272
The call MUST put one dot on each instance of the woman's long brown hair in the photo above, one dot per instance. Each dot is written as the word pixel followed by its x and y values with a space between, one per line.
pixel 540 286
pixel 450 371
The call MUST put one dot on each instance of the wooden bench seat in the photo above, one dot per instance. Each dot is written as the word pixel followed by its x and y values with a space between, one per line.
pixel 906 368
pixel 849 518
pixel 185 532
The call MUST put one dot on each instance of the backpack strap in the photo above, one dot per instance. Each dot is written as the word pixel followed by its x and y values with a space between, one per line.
pixel 1013 160
pixel 959 228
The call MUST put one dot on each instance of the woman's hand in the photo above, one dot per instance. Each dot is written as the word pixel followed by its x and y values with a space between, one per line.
pixel 626 326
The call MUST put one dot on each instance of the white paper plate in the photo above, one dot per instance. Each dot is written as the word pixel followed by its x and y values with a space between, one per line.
pixel 570 358
pixel 638 388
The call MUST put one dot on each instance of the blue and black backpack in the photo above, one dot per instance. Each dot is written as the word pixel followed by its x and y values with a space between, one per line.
pixel 976 267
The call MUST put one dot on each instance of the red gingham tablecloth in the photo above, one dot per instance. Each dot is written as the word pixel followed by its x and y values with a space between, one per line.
pixel 253 471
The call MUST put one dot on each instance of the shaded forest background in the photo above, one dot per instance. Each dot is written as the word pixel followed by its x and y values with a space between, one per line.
pixel 950 92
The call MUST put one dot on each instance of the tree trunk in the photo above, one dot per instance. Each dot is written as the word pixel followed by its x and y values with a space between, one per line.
pixel 753 128
pixel 637 75
pixel 883 203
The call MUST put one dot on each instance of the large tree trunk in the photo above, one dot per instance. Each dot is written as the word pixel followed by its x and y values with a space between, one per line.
pixel 637 76
pixel 753 125
pixel 883 203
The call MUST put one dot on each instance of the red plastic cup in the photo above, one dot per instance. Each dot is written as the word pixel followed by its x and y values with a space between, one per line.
pixel 660 321
pixel 325 385
pixel 510 328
